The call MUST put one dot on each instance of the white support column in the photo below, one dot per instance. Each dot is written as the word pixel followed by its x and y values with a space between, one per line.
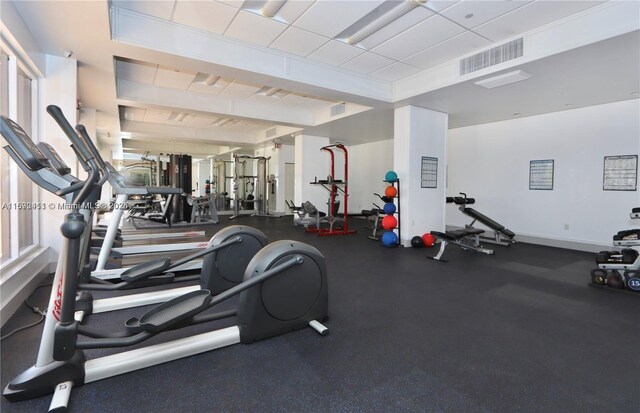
pixel 286 154
pixel 58 88
pixel 420 132
pixel 311 163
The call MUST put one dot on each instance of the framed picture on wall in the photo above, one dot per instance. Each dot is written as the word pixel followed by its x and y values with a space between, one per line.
pixel 429 172
pixel 620 173
pixel 541 175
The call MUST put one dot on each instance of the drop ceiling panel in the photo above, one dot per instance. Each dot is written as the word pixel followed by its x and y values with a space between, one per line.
pixel 335 53
pixel 440 5
pixel 531 16
pixel 161 9
pixel 330 17
pixel 255 29
pixel 294 100
pixel 201 122
pixel 206 15
pixel 174 79
pixel 237 90
pixel 395 71
pixel 186 120
pixel 263 99
pixel 480 11
pixel 234 3
pixel 134 114
pixel 156 116
pixel 293 9
pixel 299 42
pixel 401 24
pixel 316 104
pixel 212 90
pixel 457 46
pixel 426 34
pixel 136 72
pixel 367 63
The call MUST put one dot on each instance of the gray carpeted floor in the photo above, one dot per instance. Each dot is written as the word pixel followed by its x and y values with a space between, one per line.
pixel 516 332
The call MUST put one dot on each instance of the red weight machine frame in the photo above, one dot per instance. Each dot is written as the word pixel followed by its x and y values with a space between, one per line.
pixel 335 187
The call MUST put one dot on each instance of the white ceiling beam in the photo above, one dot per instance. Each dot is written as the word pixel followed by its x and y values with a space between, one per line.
pixel 154 147
pixel 143 95
pixel 132 28
pixel 214 136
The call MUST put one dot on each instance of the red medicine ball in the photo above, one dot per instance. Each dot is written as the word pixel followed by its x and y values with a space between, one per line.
pixel 428 239
pixel 389 222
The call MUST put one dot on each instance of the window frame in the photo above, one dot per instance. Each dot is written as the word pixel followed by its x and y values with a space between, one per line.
pixel 16 64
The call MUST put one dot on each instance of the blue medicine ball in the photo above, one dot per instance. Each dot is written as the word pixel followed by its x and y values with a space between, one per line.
pixel 391 176
pixel 389 239
pixel 389 208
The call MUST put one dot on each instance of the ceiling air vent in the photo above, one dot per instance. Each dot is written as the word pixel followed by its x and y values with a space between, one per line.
pixel 338 109
pixel 491 57
pixel 270 132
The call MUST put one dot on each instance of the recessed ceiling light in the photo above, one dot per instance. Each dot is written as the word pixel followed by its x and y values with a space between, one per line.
pixel 468 16
pixel 380 17
pixel 272 7
pixel 635 93
pixel 211 80
pixel 516 114
pixel 568 105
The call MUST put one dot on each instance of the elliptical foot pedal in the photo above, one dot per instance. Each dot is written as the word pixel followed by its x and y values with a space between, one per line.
pixel 173 311
pixel 161 279
pixel 146 269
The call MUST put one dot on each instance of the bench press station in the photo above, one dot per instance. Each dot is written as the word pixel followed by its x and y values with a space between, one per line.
pixel 466 238
pixel 501 235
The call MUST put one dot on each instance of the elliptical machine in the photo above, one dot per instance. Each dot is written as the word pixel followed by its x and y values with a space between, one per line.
pixel 225 258
pixel 284 288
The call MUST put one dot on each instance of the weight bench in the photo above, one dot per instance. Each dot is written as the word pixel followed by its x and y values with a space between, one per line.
pixel 373 218
pixel 501 235
pixel 467 239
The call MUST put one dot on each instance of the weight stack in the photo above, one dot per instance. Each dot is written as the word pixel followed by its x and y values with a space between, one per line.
pixel 180 169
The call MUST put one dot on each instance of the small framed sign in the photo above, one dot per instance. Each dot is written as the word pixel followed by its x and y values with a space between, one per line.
pixel 620 173
pixel 429 172
pixel 541 175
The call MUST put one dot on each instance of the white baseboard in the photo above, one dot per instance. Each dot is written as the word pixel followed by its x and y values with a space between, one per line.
pixel 551 242
pixel 21 279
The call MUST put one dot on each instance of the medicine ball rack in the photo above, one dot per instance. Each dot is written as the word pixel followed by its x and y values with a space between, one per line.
pixel 396 184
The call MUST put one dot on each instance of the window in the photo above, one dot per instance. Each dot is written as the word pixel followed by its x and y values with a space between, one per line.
pixel 25 186
pixel 18 226
pixel 5 221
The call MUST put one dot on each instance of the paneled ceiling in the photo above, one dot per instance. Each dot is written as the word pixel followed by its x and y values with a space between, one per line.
pixel 173 91
pixel 426 33
pixel 172 78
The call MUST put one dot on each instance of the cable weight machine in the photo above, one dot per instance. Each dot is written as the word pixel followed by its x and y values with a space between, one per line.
pixel 244 185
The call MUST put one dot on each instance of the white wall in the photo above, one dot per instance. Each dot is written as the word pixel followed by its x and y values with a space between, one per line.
pixel 20 37
pixel 491 163
pixel 368 163
pixel 59 88
pixel 311 163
